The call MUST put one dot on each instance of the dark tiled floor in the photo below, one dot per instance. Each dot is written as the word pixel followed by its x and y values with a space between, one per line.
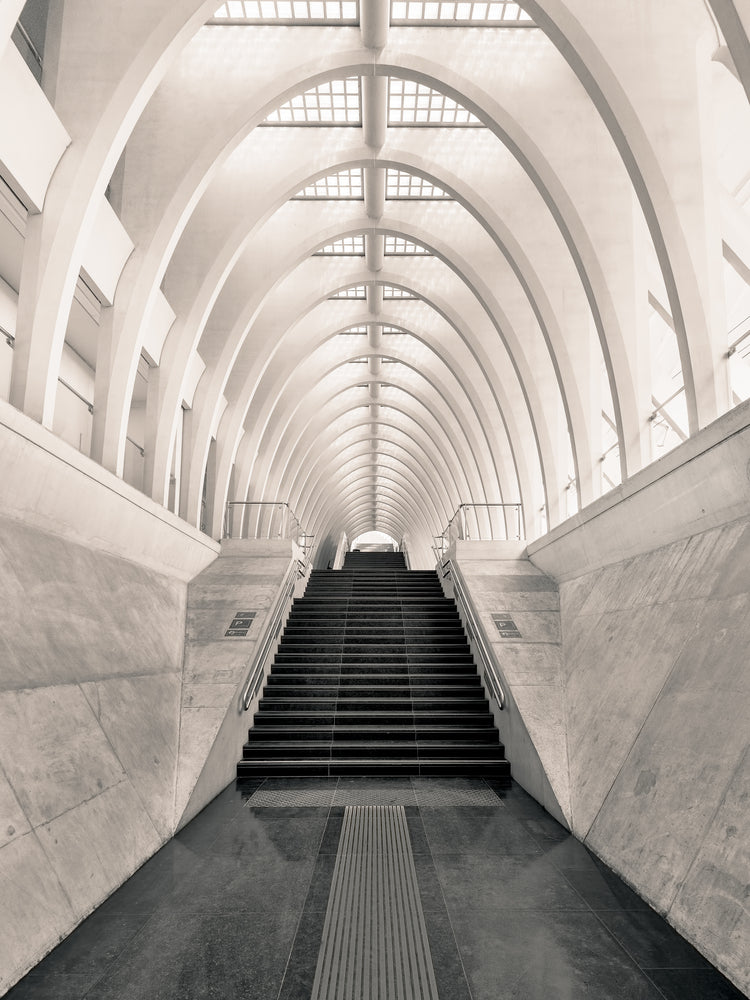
pixel 234 906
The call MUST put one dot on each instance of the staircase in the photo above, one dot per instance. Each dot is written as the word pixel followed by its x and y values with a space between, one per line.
pixel 373 676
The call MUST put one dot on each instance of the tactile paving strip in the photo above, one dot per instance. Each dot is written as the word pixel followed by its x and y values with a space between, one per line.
pixel 374 944
pixel 375 794
pixel 446 792
pixel 313 795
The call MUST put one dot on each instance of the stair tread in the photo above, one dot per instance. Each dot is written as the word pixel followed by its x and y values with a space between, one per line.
pixel 373 674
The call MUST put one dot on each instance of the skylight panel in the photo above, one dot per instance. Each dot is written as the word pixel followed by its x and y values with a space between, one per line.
pixel 412 103
pixel 446 12
pixel 397 246
pixel 352 292
pixel 346 184
pixel 403 185
pixel 335 102
pixel 393 292
pixel 362 328
pixel 287 12
pixel 349 246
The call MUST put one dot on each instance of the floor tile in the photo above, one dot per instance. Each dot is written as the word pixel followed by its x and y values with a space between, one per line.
pixel 96 944
pixel 602 889
pixel 476 831
pixel 535 955
pixel 446 961
pixel 50 987
pixel 650 941
pixel 695 984
pixel 181 955
pixel 514 906
pixel 502 883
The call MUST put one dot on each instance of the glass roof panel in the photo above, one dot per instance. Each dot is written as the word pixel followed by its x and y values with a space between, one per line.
pixel 348 246
pixel 287 12
pixel 400 184
pixel 472 12
pixel 393 292
pixel 346 184
pixel 412 103
pixel 352 292
pixel 397 246
pixel 335 102
pixel 353 330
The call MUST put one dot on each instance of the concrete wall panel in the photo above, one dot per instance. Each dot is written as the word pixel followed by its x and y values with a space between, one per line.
pixel 36 911
pixel 658 698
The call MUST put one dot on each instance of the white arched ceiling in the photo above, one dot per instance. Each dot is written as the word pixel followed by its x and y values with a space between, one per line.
pixel 529 328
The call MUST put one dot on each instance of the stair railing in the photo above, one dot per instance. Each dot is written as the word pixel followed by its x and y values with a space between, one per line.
pixel 481 522
pixel 475 632
pixel 265 519
pixel 274 624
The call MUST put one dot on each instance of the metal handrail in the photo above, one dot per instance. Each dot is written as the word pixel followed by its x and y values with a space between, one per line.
pixel 295 530
pixel 255 675
pixel 475 631
pixel 444 538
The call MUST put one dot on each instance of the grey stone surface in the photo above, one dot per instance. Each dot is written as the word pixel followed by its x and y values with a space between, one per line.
pixel 247 576
pixel 532 726
pixel 657 698
pixel 36 912
pixel 13 822
pixel 96 845
pixel 712 903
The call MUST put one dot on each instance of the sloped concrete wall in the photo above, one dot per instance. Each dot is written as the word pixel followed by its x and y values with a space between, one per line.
pixel 91 651
pixel 655 609
pixel 658 701
pixel 93 588
pixel 247 576
pixel 500 579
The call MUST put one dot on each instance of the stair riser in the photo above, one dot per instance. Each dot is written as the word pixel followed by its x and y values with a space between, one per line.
pixel 373 675
pixel 411 768
pixel 339 734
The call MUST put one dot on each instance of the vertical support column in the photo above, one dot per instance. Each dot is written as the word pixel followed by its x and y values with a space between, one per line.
pixel 375 299
pixel 374 251
pixel 374 191
pixel 374 21
pixel 374 109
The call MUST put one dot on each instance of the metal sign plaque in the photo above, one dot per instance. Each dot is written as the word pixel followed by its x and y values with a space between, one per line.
pixel 241 623
pixel 506 626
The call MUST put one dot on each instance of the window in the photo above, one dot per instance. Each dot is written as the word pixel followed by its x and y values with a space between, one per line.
pixel 345 185
pixel 444 12
pixel 287 11
pixel 400 184
pixel 349 246
pixel 412 103
pixel 335 102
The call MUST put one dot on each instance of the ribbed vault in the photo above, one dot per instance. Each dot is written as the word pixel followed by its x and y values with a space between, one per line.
pixel 571 286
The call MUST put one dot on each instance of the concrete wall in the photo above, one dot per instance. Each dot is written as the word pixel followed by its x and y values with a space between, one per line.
pixel 93 589
pixel 246 577
pixel 499 579
pixel 91 648
pixel 657 690
pixel 658 705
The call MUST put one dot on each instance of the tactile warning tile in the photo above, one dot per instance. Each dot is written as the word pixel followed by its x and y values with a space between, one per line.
pixel 374 944
pixel 285 796
pixel 449 792
pixel 364 792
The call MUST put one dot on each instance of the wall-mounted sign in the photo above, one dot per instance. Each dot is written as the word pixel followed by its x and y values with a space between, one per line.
pixel 506 626
pixel 241 623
